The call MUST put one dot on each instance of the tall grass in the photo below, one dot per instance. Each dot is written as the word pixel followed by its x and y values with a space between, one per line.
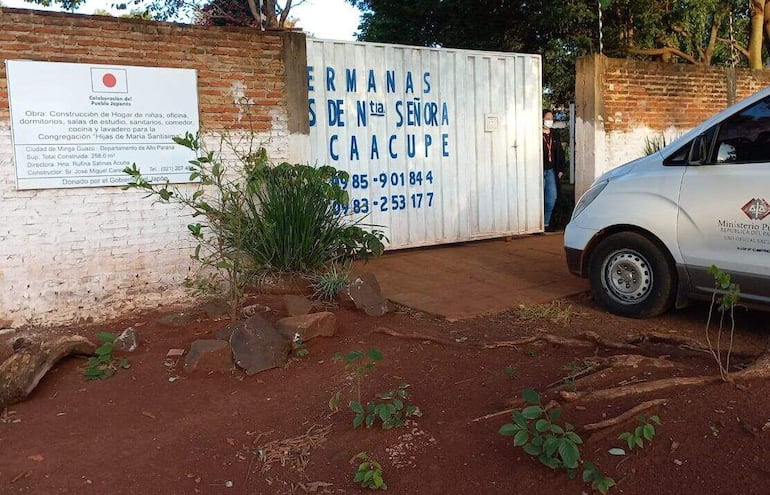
pixel 291 223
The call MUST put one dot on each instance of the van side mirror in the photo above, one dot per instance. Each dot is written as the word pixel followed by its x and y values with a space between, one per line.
pixel 698 151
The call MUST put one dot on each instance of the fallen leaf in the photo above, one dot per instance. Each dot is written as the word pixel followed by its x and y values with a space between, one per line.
pixel 36 458
pixel 231 441
pixel 148 414
pixel 617 451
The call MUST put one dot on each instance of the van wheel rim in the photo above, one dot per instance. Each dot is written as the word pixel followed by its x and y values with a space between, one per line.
pixel 627 277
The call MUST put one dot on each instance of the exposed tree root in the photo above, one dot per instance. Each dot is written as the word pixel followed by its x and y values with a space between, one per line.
pixel 626 415
pixel 638 388
pixel 417 336
pixel 542 337
pixel 20 373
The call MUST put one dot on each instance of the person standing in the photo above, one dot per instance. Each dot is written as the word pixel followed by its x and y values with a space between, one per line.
pixel 553 167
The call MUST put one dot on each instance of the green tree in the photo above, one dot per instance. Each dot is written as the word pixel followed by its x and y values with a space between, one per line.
pixel 693 31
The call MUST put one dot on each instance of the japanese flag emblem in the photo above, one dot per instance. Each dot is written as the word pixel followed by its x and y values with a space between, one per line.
pixel 109 80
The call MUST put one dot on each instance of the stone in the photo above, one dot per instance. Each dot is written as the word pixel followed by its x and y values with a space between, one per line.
pixel 127 341
pixel 308 327
pixel 253 309
pixel 5 323
pixel 215 309
pixel 257 345
pixel 209 355
pixel 175 353
pixel 285 284
pixel 297 305
pixel 366 294
pixel 344 300
pixel 181 319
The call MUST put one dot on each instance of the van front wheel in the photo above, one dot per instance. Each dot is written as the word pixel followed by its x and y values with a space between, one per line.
pixel 631 276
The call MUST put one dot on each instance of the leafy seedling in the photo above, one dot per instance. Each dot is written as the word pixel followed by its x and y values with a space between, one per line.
pixel 644 431
pixel 104 364
pixel 369 473
pixel 391 409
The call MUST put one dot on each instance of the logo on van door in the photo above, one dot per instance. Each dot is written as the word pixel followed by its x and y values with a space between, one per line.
pixel 756 209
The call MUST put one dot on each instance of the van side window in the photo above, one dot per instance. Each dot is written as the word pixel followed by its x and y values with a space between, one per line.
pixel 679 157
pixel 745 136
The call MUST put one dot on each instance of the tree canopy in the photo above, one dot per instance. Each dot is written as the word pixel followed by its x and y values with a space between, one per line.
pixel 692 31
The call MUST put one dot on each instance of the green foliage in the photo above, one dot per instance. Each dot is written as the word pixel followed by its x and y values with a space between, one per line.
pixel 561 31
pixel 104 364
pixel 257 217
pixel 369 473
pixel 599 482
pixel 330 282
pixel 538 432
pixel 219 199
pixel 511 372
pixel 729 295
pixel 391 409
pixel 654 144
pixel 359 363
pixel 645 430
pixel 292 225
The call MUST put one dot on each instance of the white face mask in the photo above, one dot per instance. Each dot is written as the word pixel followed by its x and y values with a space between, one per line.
pixel 548 124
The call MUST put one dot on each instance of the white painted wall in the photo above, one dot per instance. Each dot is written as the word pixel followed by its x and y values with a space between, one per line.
pixel 71 254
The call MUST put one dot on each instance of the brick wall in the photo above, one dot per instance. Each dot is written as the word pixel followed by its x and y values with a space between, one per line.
pixel 619 102
pixel 70 254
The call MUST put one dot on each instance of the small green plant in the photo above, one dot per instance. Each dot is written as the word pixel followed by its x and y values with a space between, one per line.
pixel 537 431
pixel 369 472
pixel 327 284
pixel 654 144
pixel 532 352
pixel 644 431
pixel 104 364
pixel 598 481
pixel 730 294
pixel 511 372
pixel 391 409
pixel 360 364
pixel 334 401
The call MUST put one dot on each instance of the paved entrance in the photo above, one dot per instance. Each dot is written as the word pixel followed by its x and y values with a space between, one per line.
pixel 471 279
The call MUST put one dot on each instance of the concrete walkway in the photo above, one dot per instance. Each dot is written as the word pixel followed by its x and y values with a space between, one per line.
pixel 475 278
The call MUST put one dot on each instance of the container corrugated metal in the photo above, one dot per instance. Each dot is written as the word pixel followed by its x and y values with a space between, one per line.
pixel 441 145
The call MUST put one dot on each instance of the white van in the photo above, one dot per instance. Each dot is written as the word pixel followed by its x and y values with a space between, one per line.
pixel 646 233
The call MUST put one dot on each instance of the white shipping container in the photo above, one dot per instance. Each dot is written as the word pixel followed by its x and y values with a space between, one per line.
pixel 441 145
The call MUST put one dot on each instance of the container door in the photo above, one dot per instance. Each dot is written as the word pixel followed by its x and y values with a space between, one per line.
pixel 724 217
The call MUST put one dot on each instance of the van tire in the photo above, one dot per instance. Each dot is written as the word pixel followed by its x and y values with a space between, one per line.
pixel 631 276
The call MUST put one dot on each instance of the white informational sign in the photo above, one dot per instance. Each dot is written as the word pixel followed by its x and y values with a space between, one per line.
pixel 80 125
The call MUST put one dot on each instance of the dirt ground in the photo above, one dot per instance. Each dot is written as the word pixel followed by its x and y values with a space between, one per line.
pixel 152 429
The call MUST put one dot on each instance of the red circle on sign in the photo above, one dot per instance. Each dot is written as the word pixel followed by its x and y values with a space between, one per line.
pixel 109 80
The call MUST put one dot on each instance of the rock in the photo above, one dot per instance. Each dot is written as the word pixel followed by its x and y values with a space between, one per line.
pixel 297 305
pixel 254 309
pixel 175 353
pixel 366 294
pixel 257 345
pixel 285 284
pixel 308 326
pixel 177 320
pixel 344 300
pixel 127 341
pixel 224 333
pixel 209 355
pixel 215 309
pixel 5 323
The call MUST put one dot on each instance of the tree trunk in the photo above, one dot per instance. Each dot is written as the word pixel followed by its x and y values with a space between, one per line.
pixel 757 34
pixel 268 11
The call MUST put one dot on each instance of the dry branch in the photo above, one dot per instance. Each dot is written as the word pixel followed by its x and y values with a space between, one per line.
pixel 32 359
pixel 625 416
